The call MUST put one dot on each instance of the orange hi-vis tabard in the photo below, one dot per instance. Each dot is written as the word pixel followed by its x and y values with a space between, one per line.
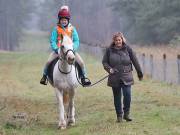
pixel 67 31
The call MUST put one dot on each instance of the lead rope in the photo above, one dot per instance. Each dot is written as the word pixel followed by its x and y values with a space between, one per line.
pixel 98 81
pixel 93 83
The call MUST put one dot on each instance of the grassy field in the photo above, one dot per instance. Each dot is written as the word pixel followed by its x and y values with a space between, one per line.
pixel 155 105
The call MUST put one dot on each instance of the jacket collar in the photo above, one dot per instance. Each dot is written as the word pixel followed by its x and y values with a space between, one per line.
pixel 123 47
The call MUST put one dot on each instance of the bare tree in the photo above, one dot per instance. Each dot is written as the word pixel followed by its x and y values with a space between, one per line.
pixel 12 19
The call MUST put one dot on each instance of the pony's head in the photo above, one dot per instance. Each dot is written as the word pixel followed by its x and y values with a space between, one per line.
pixel 66 49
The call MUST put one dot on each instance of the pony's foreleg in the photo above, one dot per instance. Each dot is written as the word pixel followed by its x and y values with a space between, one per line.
pixel 62 122
pixel 71 108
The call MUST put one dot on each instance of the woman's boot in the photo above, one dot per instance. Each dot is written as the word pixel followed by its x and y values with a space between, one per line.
pixel 127 117
pixel 119 119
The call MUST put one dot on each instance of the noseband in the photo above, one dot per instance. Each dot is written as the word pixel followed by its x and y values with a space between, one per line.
pixel 65 54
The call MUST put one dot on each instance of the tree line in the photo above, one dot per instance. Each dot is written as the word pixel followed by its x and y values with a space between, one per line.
pixel 149 21
pixel 13 15
pixel 141 21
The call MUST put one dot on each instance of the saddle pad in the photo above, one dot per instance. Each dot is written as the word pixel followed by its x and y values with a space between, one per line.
pixel 51 69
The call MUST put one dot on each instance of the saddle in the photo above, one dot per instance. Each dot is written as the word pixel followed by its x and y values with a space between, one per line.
pixel 50 70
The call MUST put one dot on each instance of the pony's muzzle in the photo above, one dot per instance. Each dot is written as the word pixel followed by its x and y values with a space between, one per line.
pixel 70 60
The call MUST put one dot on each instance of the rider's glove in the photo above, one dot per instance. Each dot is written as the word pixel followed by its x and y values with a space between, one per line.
pixel 140 75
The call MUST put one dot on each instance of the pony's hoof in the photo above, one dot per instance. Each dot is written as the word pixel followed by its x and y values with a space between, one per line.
pixel 61 127
pixel 71 123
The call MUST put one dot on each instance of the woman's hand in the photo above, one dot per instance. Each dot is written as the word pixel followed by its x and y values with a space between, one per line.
pixel 112 71
pixel 140 76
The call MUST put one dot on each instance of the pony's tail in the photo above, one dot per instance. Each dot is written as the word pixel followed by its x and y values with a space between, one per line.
pixel 65 98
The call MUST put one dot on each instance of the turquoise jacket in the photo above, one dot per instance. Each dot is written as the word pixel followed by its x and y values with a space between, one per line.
pixel 54 35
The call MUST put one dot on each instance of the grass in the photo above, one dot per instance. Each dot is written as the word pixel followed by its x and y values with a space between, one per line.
pixel 36 41
pixel 155 105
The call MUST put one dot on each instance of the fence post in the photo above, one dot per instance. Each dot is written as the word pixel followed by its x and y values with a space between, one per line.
pixel 151 66
pixel 164 67
pixel 178 63
pixel 143 62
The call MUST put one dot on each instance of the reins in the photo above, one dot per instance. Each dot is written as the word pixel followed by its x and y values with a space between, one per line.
pixel 63 71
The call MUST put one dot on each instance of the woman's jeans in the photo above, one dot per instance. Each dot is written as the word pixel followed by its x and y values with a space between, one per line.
pixel 126 91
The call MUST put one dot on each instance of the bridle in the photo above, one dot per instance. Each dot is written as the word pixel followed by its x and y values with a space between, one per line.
pixel 63 57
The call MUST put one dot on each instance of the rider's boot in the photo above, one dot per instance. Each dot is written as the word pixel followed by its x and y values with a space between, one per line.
pixel 44 80
pixel 81 72
pixel 85 81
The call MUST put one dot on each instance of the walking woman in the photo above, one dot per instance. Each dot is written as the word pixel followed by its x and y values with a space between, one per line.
pixel 117 61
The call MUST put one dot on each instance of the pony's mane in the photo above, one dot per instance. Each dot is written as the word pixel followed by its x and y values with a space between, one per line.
pixel 67 40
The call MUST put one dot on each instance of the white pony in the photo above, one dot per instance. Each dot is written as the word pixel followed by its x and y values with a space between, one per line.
pixel 65 81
